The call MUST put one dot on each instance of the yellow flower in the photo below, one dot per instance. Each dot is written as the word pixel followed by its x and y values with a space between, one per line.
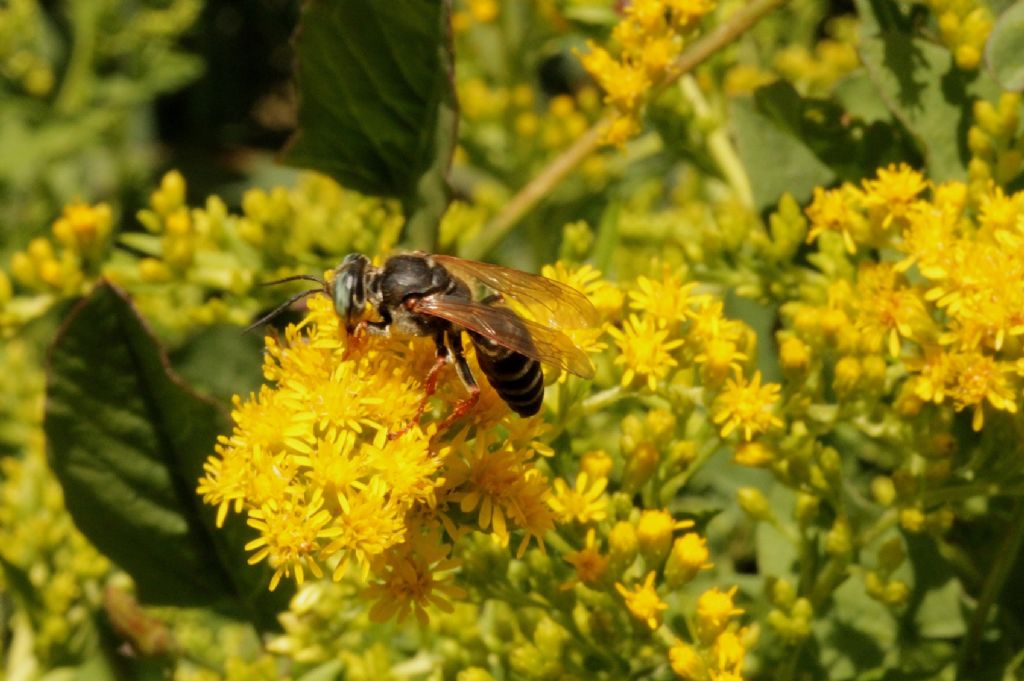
pixel 586 503
pixel 714 609
pixel 837 210
pixel 976 379
pixel 588 561
pixel 414 577
pixel 747 406
pixel 687 662
pixel 289 530
pixel 894 191
pixel 666 299
pixel 654 533
pixel 643 602
pixel 501 486
pixel 887 309
pixel 688 557
pixel 645 350
pixel 83 228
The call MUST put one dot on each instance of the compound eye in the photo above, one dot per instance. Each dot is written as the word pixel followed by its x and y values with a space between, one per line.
pixel 349 293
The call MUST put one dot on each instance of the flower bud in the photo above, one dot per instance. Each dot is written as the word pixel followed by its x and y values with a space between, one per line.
pixel 622 544
pixel 883 490
pixel 474 674
pixel 806 508
pixel 654 535
pixel 753 503
pixel 781 592
pixel 596 464
pixel 688 557
pixel 754 454
pixel 794 356
pixel 640 466
pixel 912 519
pixel 687 663
pixel 838 540
pixel 847 376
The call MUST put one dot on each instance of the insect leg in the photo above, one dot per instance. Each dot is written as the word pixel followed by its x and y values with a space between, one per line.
pixel 429 386
pixel 466 374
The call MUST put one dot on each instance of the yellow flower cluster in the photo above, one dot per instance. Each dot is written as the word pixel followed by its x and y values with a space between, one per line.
pixel 311 465
pixel 949 310
pixel 718 651
pixel 648 39
pixel 81 236
pixel 964 26
pixel 997 148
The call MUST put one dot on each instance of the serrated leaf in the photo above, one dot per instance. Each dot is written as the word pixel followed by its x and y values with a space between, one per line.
pixel 127 441
pixel 923 89
pixel 1004 51
pixel 377 102
pixel 776 159
pixel 936 602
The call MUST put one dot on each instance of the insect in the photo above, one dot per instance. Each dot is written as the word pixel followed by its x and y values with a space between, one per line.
pixel 419 294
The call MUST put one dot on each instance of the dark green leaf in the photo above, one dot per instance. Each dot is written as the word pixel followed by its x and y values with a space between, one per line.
pixel 222 361
pixel 377 102
pixel 935 609
pixel 925 91
pixel 127 441
pixel 1005 49
pixel 775 156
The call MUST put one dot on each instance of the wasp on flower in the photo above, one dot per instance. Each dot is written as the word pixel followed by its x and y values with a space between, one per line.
pixel 419 294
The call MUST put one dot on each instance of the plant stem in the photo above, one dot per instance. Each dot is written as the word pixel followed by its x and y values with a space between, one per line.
pixel 559 168
pixel 719 144
pixel 994 583
pixel 599 401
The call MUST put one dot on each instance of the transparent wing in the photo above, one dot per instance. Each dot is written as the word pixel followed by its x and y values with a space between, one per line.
pixel 549 302
pixel 506 328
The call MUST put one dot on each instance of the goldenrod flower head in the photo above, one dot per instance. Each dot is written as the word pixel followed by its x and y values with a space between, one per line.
pixel 893 192
pixel 888 310
pixel 648 40
pixel 584 504
pixel 714 610
pixel 501 486
pixel 654 533
pixel 747 406
pixel 837 210
pixel 643 602
pixel 84 228
pixel 589 563
pixel 641 462
pixel 755 454
pixel 417 575
pixel 978 378
pixel 622 542
pixel 666 299
pixel 596 464
pixel 688 557
pixel 687 662
pixel 645 350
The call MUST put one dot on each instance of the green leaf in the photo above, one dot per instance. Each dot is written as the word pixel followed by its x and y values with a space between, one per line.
pixel 936 607
pixel 222 361
pixel 925 91
pixel 377 102
pixel 775 156
pixel 1003 52
pixel 127 441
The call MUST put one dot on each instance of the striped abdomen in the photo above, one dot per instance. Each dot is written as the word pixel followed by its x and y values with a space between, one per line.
pixel 518 379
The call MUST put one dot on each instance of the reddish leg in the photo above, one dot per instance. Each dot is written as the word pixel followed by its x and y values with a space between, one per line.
pixel 429 388
pixel 461 408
